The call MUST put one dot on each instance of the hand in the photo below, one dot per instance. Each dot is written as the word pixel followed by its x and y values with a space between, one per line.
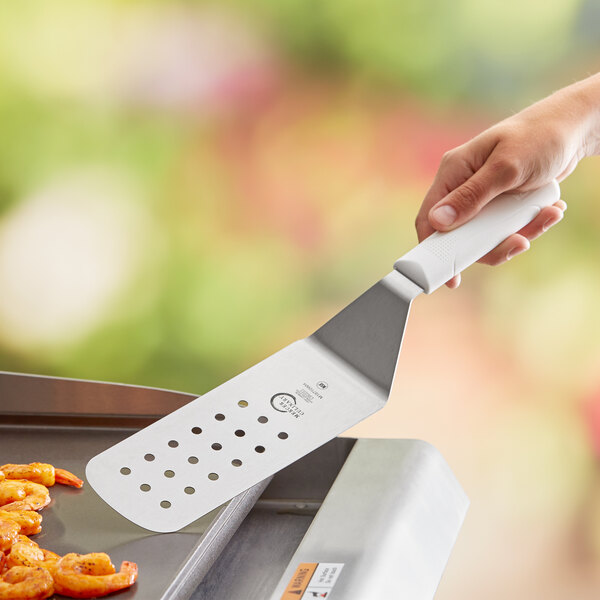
pixel 543 142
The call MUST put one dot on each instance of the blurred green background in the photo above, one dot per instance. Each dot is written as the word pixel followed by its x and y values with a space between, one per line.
pixel 186 187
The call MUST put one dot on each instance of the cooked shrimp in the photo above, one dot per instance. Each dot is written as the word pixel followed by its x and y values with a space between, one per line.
pixel 9 534
pixel 26 553
pixel 41 473
pixel 91 575
pixel 2 476
pixel 29 521
pixel 19 494
pixel 26 583
pixel 11 491
pixel 2 562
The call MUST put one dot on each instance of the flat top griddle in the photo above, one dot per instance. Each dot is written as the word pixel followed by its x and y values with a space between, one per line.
pixel 65 423
pixel 385 513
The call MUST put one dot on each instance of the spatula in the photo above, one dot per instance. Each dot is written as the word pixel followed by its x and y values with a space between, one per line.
pixel 198 457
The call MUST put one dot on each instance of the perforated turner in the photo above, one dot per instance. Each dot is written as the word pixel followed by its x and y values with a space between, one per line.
pixel 198 457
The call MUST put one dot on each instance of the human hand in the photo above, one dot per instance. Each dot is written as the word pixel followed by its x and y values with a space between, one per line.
pixel 543 142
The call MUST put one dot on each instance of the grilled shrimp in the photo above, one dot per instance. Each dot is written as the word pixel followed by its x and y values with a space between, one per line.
pixel 91 575
pixel 26 583
pixel 29 521
pixel 19 494
pixel 26 553
pixel 9 534
pixel 41 473
pixel 10 491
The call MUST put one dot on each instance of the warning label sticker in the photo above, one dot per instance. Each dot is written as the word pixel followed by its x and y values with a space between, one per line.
pixel 312 580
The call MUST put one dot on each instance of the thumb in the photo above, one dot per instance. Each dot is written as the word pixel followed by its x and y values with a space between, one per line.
pixel 464 202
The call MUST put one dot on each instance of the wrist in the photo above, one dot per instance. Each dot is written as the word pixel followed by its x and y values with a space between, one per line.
pixel 585 96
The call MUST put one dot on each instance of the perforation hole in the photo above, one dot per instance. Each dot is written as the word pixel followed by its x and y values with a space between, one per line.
pixel 189 490
pixel 213 476
pixel 196 430
pixel 173 444
pixel 216 446
pixel 125 471
pixel 259 449
pixel 263 420
pixel 168 473
pixel 165 504
pixel 220 417
pixel 242 403
pixel 149 457
pixel 145 487
pixel 193 460
pixel 240 432
pixel 236 462
pixel 282 435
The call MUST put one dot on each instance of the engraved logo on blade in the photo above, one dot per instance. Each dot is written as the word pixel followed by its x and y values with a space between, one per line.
pixel 284 402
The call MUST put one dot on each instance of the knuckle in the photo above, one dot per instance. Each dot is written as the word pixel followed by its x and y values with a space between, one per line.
pixel 507 169
pixel 467 196
pixel 448 156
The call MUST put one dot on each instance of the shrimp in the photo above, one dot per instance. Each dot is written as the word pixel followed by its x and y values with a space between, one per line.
pixel 41 473
pixel 91 575
pixel 26 583
pixel 26 553
pixel 2 476
pixel 9 534
pixel 11 491
pixel 19 494
pixel 29 521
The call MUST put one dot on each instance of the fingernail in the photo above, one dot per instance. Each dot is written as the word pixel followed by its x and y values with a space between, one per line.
pixel 514 251
pixel 550 222
pixel 444 215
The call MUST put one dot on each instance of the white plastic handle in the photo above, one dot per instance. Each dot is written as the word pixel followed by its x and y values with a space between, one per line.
pixel 443 255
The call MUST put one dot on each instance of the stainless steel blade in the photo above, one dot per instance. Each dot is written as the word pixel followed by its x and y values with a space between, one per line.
pixel 248 428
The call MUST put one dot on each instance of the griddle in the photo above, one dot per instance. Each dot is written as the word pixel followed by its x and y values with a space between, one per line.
pixel 337 505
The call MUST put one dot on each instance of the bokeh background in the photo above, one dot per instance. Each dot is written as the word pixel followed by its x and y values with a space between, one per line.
pixel 186 187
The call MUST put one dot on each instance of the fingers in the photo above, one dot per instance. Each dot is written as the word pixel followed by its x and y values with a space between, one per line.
pixel 452 173
pixel 464 202
pixel 509 248
pixel 520 242
pixel 454 282
pixel 547 217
